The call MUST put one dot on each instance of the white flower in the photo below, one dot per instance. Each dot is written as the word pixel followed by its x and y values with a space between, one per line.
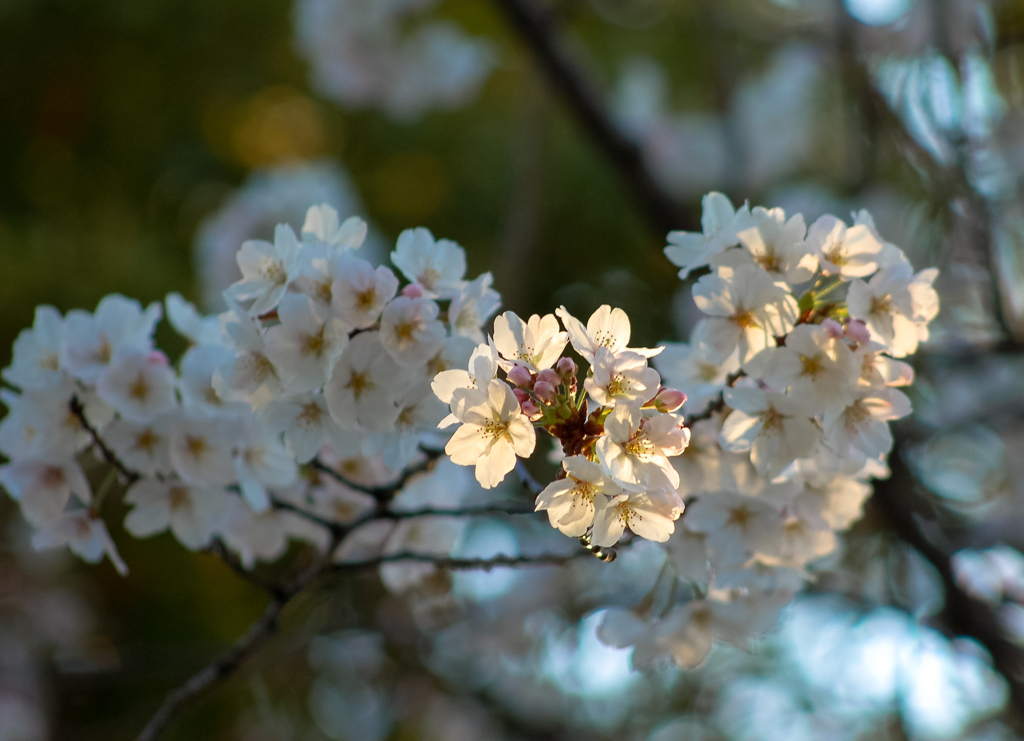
pixel 201 449
pixel 890 253
pixel 876 369
pixel 322 223
pixel 607 327
pixel 305 345
pixel 454 353
pixel 418 411
pixel 144 448
pixel 570 502
pixel 747 310
pixel 835 500
pixel 635 450
pixel 447 385
pixel 360 292
pixel 40 423
pixel 192 513
pixel 261 461
pixel 537 344
pixel 819 371
pixel 410 330
pixel 862 426
pixel 472 307
pixel 778 246
pixel 266 269
pixel 36 359
pixel 494 431
pixel 139 387
pixel 198 396
pixel 773 427
pixel 651 516
pixel 189 323
pixel 364 384
pixel 436 266
pixel 721 224
pixel 339 503
pixel 622 377
pixel 735 524
pixel 258 535
pixel 307 426
pixel 694 369
pixel 849 252
pixel 250 375
pixel 896 306
pixel 85 535
pixel 89 340
pixel 43 488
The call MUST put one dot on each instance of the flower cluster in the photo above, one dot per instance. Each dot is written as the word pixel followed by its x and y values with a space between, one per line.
pixel 322 355
pixel 791 380
pixel 383 54
pixel 617 431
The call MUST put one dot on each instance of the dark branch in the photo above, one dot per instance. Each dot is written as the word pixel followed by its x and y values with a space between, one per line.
pixel 538 32
pixel 385 492
pixel 465 564
pixel 77 409
pixel 896 502
pixel 216 671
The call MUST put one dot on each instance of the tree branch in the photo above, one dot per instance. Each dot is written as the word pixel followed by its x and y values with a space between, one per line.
pixel 78 410
pixel 464 564
pixel 538 32
pixel 385 492
pixel 895 501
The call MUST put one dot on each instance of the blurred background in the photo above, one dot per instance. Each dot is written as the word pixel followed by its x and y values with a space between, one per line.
pixel 144 140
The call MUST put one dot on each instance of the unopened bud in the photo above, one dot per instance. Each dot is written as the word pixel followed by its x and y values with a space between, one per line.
pixel 565 367
pixel 156 357
pixel 521 376
pixel 545 392
pixel 668 400
pixel 550 377
pixel 530 408
pixel 857 331
pixel 413 290
pixel 834 328
pixel 521 396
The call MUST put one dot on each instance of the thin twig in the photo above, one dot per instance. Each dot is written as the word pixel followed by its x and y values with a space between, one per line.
pixel 109 455
pixel 464 564
pixel 384 492
pixel 538 32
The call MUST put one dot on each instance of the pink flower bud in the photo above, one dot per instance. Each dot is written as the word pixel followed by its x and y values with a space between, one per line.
pixel 521 395
pixel 413 290
pixel 550 377
pixel 156 357
pixel 530 408
pixel 521 376
pixel 565 367
pixel 834 329
pixel 545 392
pixel 857 331
pixel 668 400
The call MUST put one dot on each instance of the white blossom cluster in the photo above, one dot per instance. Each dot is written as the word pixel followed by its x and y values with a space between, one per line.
pixel 321 354
pixel 383 54
pixel 791 380
pixel 616 473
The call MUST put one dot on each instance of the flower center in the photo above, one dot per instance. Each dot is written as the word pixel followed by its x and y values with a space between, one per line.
pixel 771 421
pixel 360 383
pixel 881 305
pixel 812 366
pixel 140 389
